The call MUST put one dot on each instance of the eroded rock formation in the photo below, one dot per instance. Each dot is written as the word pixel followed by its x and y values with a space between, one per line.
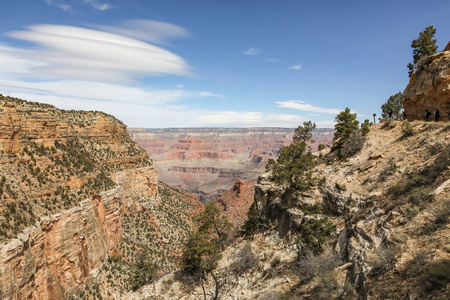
pixel 206 161
pixel 429 87
pixel 67 179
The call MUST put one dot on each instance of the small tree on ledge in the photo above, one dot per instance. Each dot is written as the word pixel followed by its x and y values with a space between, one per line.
pixel 295 164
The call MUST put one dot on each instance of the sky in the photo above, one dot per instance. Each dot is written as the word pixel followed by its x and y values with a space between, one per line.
pixel 221 63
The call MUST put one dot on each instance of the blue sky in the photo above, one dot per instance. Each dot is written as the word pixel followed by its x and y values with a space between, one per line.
pixel 199 63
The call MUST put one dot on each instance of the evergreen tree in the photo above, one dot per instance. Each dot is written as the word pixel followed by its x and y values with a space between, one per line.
pixel 394 104
pixel 202 251
pixel 295 162
pixel 365 127
pixel 423 46
pixel 346 123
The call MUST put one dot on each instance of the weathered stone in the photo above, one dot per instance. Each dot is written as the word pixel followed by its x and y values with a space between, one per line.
pixel 429 87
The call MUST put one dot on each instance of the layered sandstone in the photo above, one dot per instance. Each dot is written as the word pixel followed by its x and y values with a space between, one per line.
pixel 206 161
pixel 54 258
pixel 68 177
pixel 236 202
pixel 429 87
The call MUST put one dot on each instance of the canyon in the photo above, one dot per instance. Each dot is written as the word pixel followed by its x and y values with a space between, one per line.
pixel 207 161
pixel 75 193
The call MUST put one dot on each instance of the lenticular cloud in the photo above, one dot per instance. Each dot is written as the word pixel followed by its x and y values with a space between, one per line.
pixel 67 52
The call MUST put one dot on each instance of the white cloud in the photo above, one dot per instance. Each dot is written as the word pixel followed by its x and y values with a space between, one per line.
pixel 147 30
pixel 97 5
pixel 60 4
pixel 300 105
pixel 295 67
pixel 252 51
pixel 139 113
pixel 63 4
pixel 67 52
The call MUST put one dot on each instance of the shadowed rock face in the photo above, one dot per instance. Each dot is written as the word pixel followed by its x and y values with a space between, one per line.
pixel 429 87
pixel 207 161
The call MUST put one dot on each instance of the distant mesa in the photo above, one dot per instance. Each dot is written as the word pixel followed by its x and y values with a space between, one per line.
pixel 207 161
pixel 429 87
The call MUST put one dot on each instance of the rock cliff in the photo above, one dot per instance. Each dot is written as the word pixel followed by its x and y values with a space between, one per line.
pixel 67 179
pixel 376 227
pixel 429 87
pixel 206 161
pixel 54 258
pixel 236 202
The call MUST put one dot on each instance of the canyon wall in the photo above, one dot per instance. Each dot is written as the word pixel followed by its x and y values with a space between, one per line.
pixel 429 87
pixel 207 161
pixel 67 179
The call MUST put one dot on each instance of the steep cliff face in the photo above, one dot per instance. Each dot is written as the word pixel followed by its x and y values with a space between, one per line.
pixel 429 87
pixel 54 258
pixel 206 161
pixel 67 180
pixel 51 159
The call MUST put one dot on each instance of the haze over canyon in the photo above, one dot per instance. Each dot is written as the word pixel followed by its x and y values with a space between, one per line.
pixel 207 161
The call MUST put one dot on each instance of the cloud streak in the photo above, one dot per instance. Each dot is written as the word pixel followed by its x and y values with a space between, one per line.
pixel 61 4
pixel 97 5
pixel 300 105
pixel 295 67
pixel 252 51
pixel 64 6
pixel 147 30
pixel 68 52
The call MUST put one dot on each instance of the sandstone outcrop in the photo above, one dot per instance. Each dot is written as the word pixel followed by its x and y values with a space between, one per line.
pixel 206 161
pixel 54 258
pixel 236 202
pixel 67 179
pixel 429 87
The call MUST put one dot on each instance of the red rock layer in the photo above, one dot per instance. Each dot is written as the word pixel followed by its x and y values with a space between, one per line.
pixel 237 201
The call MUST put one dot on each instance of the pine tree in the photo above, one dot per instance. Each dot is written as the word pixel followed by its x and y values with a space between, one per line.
pixel 423 46
pixel 346 123
pixel 394 104
pixel 295 163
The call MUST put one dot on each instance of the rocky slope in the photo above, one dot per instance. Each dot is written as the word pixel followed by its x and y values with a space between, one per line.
pixel 206 161
pixel 79 202
pixel 429 87
pixel 236 202
pixel 385 213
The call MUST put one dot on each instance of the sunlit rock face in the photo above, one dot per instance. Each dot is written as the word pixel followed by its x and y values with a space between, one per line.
pixel 429 88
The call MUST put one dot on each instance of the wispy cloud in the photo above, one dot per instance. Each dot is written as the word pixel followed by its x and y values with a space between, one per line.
pixel 147 30
pixel 300 105
pixel 252 51
pixel 97 5
pixel 62 4
pixel 67 52
pixel 295 67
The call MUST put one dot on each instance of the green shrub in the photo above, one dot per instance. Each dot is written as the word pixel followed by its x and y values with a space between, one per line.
pixel 321 147
pixel 407 129
pixel 313 235
pixel 275 261
pixel 313 209
pixel 251 224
